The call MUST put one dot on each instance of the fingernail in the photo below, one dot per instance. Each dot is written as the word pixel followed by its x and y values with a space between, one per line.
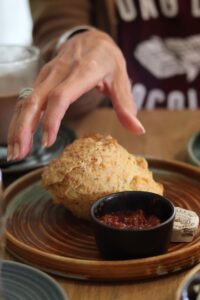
pixel 45 139
pixel 137 123
pixel 15 151
pixel 141 128
pixel 9 152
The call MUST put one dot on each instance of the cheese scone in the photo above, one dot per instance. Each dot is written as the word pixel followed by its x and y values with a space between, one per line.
pixel 91 167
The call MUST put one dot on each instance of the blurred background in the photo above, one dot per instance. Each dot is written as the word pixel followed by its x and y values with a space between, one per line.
pixel 15 22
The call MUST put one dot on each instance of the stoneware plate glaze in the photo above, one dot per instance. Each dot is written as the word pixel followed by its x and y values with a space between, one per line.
pixel 22 282
pixel 186 289
pixel 48 236
pixel 39 157
pixel 193 149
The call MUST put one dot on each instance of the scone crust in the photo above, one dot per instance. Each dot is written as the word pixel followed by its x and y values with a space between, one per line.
pixel 91 167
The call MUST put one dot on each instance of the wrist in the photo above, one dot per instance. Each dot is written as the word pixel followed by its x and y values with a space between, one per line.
pixel 69 33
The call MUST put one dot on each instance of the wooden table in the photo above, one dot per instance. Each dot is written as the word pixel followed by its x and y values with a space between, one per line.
pixel 166 137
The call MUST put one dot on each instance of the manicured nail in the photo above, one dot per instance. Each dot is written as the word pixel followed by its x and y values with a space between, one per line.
pixel 137 123
pixel 45 139
pixel 9 152
pixel 141 128
pixel 15 151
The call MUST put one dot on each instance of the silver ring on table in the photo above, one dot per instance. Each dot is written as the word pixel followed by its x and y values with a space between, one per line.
pixel 25 92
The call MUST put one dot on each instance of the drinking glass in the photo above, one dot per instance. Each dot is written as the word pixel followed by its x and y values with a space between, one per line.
pixel 19 66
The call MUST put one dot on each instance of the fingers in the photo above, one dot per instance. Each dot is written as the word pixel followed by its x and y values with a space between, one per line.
pixel 43 74
pixel 23 126
pixel 27 115
pixel 11 154
pixel 87 61
pixel 80 81
pixel 124 104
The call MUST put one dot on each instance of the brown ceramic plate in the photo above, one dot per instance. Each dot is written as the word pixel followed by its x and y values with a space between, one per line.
pixel 49 237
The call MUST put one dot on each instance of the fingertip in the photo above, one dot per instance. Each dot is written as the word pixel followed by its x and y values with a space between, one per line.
pixel 139 127
pixel 23 153
pixel 9 152
pixel 50 128
pixel 16 152
pixel 45 139
pixel 48 139
pixel 19 149
pixel 131 122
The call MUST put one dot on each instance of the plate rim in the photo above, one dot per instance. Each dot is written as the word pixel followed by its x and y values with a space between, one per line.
pixel 158 260
pixel 190 151
pixel 39 272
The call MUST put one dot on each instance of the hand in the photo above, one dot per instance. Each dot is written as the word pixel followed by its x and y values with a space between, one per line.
pixel 90 59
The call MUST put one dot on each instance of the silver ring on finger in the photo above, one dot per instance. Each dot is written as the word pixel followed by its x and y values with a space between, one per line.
pixel 25 92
